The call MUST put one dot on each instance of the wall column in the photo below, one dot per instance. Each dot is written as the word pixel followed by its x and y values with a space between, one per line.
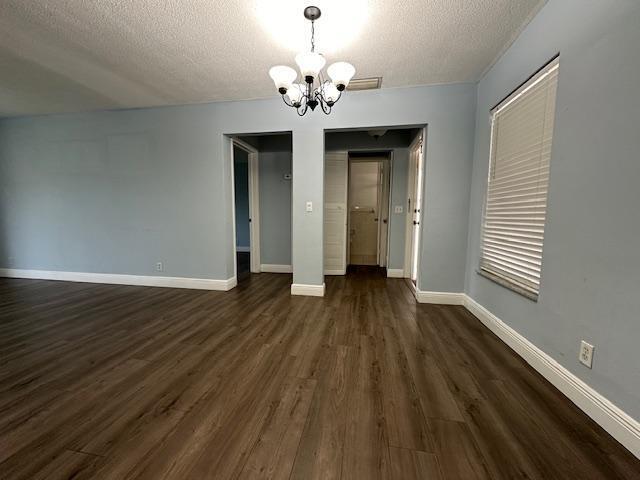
pixel 307 226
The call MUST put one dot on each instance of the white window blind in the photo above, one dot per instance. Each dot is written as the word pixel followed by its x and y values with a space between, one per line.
pixel 516 203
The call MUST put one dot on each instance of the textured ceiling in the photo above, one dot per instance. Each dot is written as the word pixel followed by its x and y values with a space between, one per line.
pixel 76 55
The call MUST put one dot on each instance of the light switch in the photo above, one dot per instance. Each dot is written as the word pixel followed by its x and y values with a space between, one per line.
pixel 309 206
pixel 397 209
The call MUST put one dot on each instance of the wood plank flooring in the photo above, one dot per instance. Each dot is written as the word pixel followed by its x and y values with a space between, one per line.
pixel 115 382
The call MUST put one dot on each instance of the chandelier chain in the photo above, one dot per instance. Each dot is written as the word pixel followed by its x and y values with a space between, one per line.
pixel 313 34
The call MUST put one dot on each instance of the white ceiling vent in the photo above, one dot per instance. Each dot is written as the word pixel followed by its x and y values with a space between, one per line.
pixel 365 83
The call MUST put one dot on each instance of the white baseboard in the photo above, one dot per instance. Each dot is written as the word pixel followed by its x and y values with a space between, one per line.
pixel 119 279
pixel 335 272
pixel 618 423
pixel 442 298
pixel 308 290
pixel 395 273
pixel 272 268
pixel 243 249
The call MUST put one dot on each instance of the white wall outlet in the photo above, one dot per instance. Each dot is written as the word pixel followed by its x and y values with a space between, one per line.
pixel 159 267
pixel 309 206
pixel 397 209
pixel 586 353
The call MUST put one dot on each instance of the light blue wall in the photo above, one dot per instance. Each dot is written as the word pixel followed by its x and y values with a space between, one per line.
pixel 591 263
pixel 398 221
pixel 241 189
pixel 113 192
pixel 117 191
pixel 275 207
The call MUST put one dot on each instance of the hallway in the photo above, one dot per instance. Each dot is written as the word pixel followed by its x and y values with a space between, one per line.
pixel 108 381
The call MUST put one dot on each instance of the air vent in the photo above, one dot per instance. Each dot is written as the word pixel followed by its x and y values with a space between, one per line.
pixel 365 83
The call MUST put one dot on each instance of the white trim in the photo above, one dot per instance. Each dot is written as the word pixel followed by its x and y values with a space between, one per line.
pixel 624 428
pixel 308 290
pixel 232 183
pixel 121 279
pixel 244 145
pixel 243 249
pixel 441 298
pixel 395 273
pixel 273 268
pixel 335 272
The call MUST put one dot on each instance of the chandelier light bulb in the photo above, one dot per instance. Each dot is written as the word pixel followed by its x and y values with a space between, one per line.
pixel 283 77
pixel 341 74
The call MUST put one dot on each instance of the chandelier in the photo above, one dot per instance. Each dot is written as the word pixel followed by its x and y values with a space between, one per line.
pixel 315 90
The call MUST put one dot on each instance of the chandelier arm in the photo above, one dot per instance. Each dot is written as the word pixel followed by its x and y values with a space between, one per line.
pixel 302 110
pixel 287 103
pixel 326 108
pixel 317 94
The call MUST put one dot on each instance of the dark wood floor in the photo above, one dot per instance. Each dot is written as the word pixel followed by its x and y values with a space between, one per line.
pixel 117 382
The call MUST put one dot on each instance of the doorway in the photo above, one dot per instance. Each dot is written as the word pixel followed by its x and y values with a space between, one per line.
pixel 262 205
pixel 368 207
pixel 389 148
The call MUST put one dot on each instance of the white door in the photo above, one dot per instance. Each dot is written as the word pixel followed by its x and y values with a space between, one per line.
pixel 414 207
pixel 254 215
pixel 415 199
pixel 383 213
pixel 364 206
pixel 417 214
pixel 335 213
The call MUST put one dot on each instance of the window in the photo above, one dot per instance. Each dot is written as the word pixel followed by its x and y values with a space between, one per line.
pixel 516 202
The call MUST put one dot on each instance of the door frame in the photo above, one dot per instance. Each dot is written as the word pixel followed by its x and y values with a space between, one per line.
pixel 418 142
pixel 254 204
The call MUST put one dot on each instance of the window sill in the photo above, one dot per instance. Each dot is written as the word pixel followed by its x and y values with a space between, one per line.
pixel 514 287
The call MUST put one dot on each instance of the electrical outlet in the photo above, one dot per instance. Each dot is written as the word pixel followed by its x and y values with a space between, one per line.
pixel 586 353
pixel 159 267
pixel 397 209
pixel 309 206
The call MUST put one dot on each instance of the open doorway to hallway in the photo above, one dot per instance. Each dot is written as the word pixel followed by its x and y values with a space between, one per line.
pixel 369 193
pixel 262 202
